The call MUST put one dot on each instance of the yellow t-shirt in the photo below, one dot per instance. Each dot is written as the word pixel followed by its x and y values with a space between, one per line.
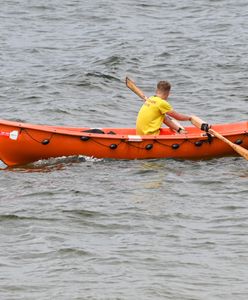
pixel 151 116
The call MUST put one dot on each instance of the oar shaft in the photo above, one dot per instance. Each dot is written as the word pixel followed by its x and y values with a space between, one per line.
pixel 132 86
pixel 240 150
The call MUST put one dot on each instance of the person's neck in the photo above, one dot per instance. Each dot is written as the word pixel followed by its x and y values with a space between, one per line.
pixel 162 96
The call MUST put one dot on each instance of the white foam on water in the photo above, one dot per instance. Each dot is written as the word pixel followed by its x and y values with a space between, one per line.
pixel 2 165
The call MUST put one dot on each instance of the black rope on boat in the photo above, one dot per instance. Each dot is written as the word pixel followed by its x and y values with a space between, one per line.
pixel 149 146
pixel 134 146
pixel 111 146
pixel 240 141
pixel 43 142
pixel 173 146
pixel 199 143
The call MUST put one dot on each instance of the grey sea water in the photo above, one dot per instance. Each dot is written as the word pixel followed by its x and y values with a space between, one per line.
pixel 81 228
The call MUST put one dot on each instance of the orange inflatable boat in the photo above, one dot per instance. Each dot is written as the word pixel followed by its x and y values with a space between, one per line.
pixel 22 143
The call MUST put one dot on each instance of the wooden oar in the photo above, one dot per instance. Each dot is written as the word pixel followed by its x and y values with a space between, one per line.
pixel 240 150
pixel 133 87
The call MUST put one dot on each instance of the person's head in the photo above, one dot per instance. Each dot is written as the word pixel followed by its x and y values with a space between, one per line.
pixel 163 89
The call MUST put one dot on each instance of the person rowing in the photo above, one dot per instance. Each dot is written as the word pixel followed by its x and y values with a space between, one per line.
pixel 156 110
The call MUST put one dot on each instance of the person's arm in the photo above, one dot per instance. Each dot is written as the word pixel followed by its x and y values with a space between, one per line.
pixel 178 116
pixel 173 125
pixel 167 121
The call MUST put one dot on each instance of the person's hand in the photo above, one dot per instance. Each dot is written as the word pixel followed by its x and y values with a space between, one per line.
pixel 182 131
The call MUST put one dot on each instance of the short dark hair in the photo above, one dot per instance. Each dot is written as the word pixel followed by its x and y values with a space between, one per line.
pixel 164 86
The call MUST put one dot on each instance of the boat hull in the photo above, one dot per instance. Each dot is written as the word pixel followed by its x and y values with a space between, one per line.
pixel 22 143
